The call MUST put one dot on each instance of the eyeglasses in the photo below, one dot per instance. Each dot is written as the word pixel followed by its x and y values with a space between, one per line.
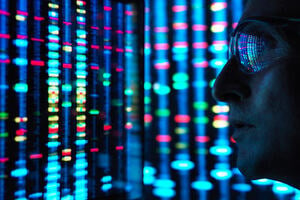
pixel 253 41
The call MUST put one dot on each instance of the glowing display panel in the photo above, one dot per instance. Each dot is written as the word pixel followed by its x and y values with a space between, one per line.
pixel 70 112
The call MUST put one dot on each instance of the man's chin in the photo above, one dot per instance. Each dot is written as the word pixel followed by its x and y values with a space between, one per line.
pixel 249 174
pixel 249 168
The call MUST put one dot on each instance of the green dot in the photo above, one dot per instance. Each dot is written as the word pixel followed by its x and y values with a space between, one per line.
pixel 200 120
pixel 21 87
pixel 162 112
pixel 180 85
pixel 128 92
pixel 106 75
pixel 147 100
pixel 180 77
pixel 3 135
pixel 162 89
pixel 147 85
pixel 200 105
pixel 52 125
pixel 66 104
pixel 94 112
pixel 106 83
pixel 3 115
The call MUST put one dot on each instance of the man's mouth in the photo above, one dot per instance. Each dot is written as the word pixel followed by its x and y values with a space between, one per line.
pixel 240 128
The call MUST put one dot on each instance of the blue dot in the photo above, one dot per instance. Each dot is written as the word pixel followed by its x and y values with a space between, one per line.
pixel 19 172
pixel 149 170
pixel 263 181
pixel 164 192
pixel 164 183
pixel 182 165
pixel 281 188
pixel 221 174
pixel 241 187
pixel 202 185
pixel 220 150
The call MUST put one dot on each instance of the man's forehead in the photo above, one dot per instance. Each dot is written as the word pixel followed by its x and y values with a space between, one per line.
pixel 279 8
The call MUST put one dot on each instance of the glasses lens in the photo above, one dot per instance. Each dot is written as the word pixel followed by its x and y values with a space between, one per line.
pixel 250 49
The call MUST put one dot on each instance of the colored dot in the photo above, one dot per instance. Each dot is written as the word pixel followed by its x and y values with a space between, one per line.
pixel 182 165
pixel 162 112
pixel 200 105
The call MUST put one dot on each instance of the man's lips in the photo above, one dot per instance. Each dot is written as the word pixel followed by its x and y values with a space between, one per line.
pixel 239 124
pixel 240 128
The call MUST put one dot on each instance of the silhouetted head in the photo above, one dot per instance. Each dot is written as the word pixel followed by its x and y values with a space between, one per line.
pixel 260 83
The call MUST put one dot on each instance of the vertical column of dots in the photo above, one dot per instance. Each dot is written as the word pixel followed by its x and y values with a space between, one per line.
pixel 81 164
pixel 117 102
pixel 200 64
pixel 66 98
pixel 106 179
pixel 21 90
pixel 221 149
pixel 53 168
pixel 131 68
pixel 149 170
pixel 181 78
pixel 94 93
pixel 163 185
pixel 133 76
pixel 37 67
pixel 4 115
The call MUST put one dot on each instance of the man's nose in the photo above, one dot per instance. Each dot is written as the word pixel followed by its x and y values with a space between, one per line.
pixel 231 85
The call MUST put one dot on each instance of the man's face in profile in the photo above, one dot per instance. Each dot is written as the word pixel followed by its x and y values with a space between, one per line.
pixel 263 104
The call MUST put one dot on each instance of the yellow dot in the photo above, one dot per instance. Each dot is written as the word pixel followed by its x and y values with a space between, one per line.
pixel 220 124
pixel 67 48
pixel 220 109
pixel 53 118
pixel 66 150
pixel 66 158
pixel 217 28
pixel 53 136
pixel 81 135
pixel 20 138
pixel 181 145
pixel 181 131
pixel 81 117
pixel 52 5
pixel 20 17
